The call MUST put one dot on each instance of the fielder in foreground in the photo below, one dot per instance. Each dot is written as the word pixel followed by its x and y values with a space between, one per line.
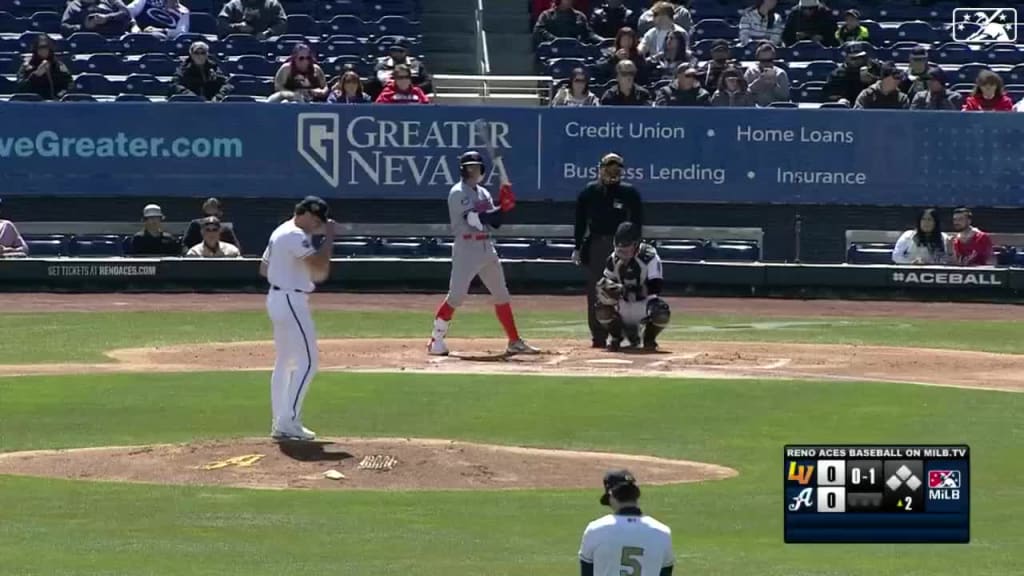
pixel 626 541
pixel 473 215
pixel 292 264
pixel 628 305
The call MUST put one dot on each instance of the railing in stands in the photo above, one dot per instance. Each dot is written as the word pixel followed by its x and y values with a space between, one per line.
pixel 492 89
pixel 482 57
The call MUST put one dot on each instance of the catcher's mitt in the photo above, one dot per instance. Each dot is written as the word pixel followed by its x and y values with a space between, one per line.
pixel 609 292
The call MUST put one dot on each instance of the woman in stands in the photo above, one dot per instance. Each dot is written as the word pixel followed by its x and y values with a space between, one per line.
pixel 732 90
pixel 924 244
pixel 300 78
pixel 401 90
pixel 625 49
pixel 664 65
pixel 988 95
pixel 576 92
pixel 43 73
pixel 348 89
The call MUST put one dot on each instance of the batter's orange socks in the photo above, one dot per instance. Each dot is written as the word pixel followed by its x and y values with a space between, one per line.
pixel 445 312
pixel 508 322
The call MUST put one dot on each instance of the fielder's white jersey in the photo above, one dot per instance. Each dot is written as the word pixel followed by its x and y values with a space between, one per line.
pixel 285 256
pixel 619 544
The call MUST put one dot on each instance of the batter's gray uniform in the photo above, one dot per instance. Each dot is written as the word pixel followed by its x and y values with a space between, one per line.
pixel 473 252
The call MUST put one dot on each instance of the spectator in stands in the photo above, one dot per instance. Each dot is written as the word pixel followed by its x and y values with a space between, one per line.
pixel 107 17
pixel 971 247
pixel 1020 106
pixel 537 7
pixel 199 75
pixel 348 89
pixel 988 95
pixel 711 71
pixel 884 94
pixel 655 40
pixel 194 232
pixel 212 245
pixel 916 79
pixel 685 90
pixel 732 90
pixel 761 23
pixel 563 21
pixel 852 30
pixel 576 92
pixel 398 53
pixel 401 90
pixel 923 244
pixel 768 83
pixel 936 96
pixel 43 73
pixel 680 15
pixel 608 18
pixel 625 49
pixel 300 78
pixel 12 245
pixel 161 18
pixel 857 73
pixel 664 66
pixel 260 18
pixel 626 92
pixel 152 240
pixel 810 20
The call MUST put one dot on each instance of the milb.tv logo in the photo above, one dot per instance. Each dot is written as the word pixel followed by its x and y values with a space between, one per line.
pixel 318 144
pixel 985 24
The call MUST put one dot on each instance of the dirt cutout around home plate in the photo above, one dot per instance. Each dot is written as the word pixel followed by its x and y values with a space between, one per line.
pixel 354 464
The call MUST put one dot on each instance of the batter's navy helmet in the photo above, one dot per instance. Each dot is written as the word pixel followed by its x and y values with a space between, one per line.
pixel 470 158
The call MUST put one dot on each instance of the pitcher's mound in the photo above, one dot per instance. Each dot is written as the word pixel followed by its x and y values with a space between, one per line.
pixel 353 463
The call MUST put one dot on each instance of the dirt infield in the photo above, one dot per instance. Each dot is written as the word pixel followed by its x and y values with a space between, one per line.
pixel 363 463
pixel 775 308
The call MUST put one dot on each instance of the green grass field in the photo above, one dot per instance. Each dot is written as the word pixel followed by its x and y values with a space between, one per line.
pixel 731 527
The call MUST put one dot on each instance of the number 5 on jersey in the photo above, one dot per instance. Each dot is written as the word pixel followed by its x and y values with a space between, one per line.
pixel 630 561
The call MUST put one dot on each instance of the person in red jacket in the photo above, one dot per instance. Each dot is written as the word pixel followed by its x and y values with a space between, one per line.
pixel 971 247
pixel 988 95
pixel 400 90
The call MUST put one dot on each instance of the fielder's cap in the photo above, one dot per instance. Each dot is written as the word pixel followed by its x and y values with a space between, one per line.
pixel 614 479
pixel 627 233
pixel 315 206
pixel 152 211
pixel 919 54
pixel 210 221
pixel 855 49
pixel 612 158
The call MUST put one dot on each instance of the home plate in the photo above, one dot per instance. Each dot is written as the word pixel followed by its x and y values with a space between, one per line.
pixel 609 361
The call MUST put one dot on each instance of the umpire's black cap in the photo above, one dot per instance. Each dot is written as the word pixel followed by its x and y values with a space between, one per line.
pixel 614 480
pixel 315 206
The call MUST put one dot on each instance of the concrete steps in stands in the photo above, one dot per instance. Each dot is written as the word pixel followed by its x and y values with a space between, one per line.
pixel 509 40
pixel 449 39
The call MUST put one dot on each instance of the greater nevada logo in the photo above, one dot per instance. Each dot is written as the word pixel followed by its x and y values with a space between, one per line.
pixel 319 144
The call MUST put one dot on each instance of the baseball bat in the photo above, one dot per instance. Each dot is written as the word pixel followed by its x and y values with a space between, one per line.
pixel 483 129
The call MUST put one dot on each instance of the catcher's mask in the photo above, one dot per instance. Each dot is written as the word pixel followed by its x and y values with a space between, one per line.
pixel 627 240
pixel 611 168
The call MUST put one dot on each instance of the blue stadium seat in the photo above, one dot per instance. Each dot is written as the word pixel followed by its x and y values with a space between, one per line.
pixel 75 97
pixel 1015 92
pixel 562 67
pixel 10 62
pixel 809 92
pixel 95 247
pixel 714 28
pixel 141 44
pixel 900 51
pixel 561 48
pixel 28 7
pixel 702 49
pixel 7 86
pixel 48 22
pixel 156 64
pixel 303 24
pixel 96 84
pixel 382 45
pixel 286 43
pixel 681 250
pixel 1003 53
pixel 299 6
pixel 338 64
pixel 783 105
pixel 810 50
pixel 968 73
pixel 402 247
pixel 25 97
pixel 131 98
pixel 516 249
pixel 354 247
pixel 1015 75
pixel 237 98
pixel 242 44
pixel 43 248
pixel 343 46
pixel 817 71
pixel 332 8
pixel 27 39
pixel 106 64
pixel 395 26
pixel 10 24
pixel 199 5
pixel 346 24
pixel 10 45
pixel 708 9
pixel 202 23
pixel 954 53
pixel 247 85
pixel 835 105
pixel 871 253
pixel 1005 255
pixel 917 31
pixel 252 65
pixel 181 44
pixel 146 84
pixel 732 251
pixel 185 98
pixel 378 8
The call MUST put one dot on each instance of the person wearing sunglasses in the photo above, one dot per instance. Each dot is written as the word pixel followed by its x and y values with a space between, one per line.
pixel 348 89
pixel 194 233
pixel 399 53
pixel 626 92
pixel 212 246
pixel 300 78
pixel 576 92
pixel 200 76
pixel 401 90
pixel 43 73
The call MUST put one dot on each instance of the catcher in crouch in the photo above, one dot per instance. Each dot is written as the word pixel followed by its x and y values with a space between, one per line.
pixel 628 305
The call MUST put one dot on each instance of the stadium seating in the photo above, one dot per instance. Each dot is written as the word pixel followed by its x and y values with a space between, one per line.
pixel 156 64
pixel 145 84
pixel 252 65
pixel 202 23
pixel 75 97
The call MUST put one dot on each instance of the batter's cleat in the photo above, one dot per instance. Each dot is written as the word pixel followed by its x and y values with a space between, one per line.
pixel 614 345
pixel 437 347
pixel 301 435
pixel 520 347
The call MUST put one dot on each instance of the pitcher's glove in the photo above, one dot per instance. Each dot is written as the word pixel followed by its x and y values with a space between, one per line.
pixel 609 292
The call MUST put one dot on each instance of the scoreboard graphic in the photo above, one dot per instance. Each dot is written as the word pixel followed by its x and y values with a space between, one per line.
pixel 876 493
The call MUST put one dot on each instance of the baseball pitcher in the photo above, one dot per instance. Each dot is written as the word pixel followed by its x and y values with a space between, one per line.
pixel 625 542
pixel 628 305
pixel 473 216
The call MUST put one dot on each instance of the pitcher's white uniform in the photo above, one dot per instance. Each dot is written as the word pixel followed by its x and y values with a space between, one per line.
pixel 294 333
pixel 627 544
